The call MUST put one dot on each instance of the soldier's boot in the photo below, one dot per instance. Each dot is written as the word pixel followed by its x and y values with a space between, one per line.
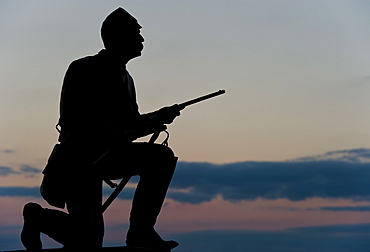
pixel 56 224
pixel 30 235
pixel 147 238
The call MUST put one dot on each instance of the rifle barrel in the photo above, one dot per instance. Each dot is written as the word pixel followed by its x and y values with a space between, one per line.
pixel 202 98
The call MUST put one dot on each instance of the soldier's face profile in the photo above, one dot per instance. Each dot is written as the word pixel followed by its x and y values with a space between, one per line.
pixel 129 43
pixel 135 41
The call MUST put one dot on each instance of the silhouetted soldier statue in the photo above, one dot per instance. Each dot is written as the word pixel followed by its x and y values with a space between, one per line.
pixel 99 120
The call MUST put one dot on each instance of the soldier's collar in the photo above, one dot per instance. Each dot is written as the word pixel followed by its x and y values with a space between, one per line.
pixel 112 60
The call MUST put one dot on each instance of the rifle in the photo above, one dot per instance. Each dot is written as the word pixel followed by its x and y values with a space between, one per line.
pixel 183 105
pixel 202 98
pixel 124 181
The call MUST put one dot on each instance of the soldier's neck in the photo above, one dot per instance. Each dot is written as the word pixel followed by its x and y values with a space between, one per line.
pixel 117 59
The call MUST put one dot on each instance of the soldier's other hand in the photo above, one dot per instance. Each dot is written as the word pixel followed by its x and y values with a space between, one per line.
pixel 159 128
pixel 168 114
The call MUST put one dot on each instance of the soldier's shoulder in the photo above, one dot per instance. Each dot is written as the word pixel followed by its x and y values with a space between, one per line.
pixel 85 61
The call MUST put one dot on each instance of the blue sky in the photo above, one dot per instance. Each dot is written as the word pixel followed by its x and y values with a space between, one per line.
pixel 296 73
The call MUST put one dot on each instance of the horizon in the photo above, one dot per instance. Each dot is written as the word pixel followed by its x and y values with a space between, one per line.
pixel 255 200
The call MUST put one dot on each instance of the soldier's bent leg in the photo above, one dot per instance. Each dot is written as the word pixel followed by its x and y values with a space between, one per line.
pixel 150 193
pixel 149 196
pixel 155 164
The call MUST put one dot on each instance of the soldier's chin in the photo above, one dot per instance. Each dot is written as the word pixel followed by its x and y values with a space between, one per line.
pixel 136 54
pixel 140 51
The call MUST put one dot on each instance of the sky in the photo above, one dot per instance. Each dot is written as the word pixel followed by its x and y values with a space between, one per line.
pixel 283 156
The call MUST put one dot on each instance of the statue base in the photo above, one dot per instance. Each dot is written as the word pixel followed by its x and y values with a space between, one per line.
pixel 104 249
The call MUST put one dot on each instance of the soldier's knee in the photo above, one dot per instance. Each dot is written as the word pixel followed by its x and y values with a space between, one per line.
pixel 169 152
pixel 165 157
pixel 164 152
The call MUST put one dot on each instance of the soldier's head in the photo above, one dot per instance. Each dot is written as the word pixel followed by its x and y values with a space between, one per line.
pixel 120 33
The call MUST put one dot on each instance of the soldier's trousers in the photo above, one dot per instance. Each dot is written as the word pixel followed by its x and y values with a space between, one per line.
pixel 83 225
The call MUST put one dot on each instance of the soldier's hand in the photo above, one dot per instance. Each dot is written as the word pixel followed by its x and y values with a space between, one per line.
pixel 168 114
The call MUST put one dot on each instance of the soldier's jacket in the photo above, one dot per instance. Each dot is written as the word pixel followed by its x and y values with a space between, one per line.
pixel 97 96
pixel 97 107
